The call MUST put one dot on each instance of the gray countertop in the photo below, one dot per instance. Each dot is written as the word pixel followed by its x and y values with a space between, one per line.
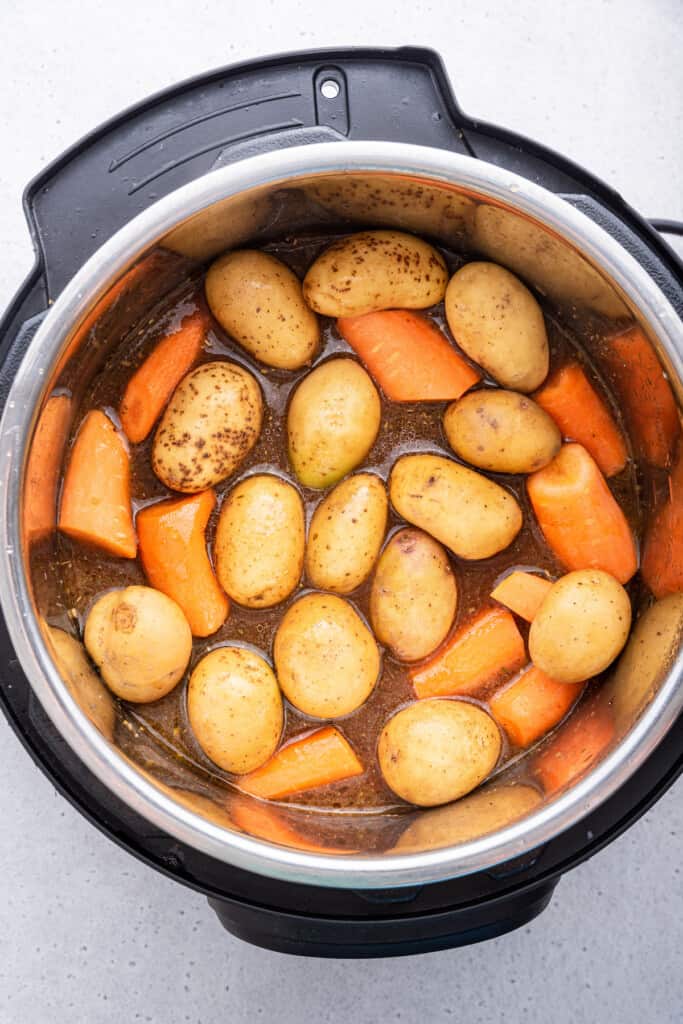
pixel 87 934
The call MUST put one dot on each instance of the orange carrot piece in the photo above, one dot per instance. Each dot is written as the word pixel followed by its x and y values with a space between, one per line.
pixel 44 463
pixel 175 559
pixel 577 745
pixel 645 396
pixel 663 547
pixel 408 356
pixel 522 592
pixel 485 650
pixel 583 416
pixel 263 822
pixel 153 383
pixel 532 705
pixel 316 760
pixel 579 515
pixel 95 506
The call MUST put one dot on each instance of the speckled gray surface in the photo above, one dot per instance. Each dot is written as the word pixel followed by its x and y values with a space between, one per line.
pixel 86 933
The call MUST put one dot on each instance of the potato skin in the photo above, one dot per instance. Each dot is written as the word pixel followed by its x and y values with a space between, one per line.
pixel 258 300
pixel 210 425
pixel 346 534
pixel 259 546
pixel 375 270
pixel 235 708
pixel 501 431
pixel 326 658
pixel 141 642
pixel 471 515
pixel 82 682
pixel 581 626
pixel 332 422
pixel 436 750
pixel 414 595
pixel 499 324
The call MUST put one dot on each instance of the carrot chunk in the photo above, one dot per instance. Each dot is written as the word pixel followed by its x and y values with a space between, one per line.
pixel 575 748
pixel 264 822
pixel 532 705
pixel 663 546
pixel 316 760
pixel 42 471
pixel 522 592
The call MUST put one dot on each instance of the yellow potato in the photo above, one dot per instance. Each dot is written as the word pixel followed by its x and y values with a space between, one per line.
pixel 414 595
pixel 259 302
pixel 375 270
pixel 581 626
pixel 82 682
pixel 210 425
pixel 332 422
pixel 434 751
pixel 499 324
pixel 259 547
pixel 471 515
pixel 346 534
pixel 326 658
pixel 501 431
pixel 140 640
pixel 235 708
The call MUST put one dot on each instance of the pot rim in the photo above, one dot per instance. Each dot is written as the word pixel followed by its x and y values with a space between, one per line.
pixel 101 757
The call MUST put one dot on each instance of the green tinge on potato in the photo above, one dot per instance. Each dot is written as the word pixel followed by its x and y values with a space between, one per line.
pixel 332 422
pixel 471 515
pixel 375 270
pixel 259 301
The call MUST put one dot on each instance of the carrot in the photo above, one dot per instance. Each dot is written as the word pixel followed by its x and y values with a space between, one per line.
pixel 175 559
pixel 42 470
pixel 485 650
pixel 264 822
pixel 583 416
pixel 153 383
pixel 316 760
pixel 645 396
pixel 522 592
pixel 580 517
pixel 532 705
pixel 577 745
pixel 408 356
pixel 95 504
pixel 663 547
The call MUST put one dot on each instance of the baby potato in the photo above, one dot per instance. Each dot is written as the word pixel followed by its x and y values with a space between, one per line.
pixel 346 534
pixel 235 708
pixel 258 300
pixel 82 682
pixel 332 422
pixel 141 642
pixel 501 431
pixel 259 547
pixel 414 595
pixel 210 425
pixel 435 750
pixel 326 658
pixel 471 515
pixel 375 270
pixel 499 324
pixel 581 626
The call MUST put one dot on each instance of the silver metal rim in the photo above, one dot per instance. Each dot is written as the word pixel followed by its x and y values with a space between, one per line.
pixel 96 753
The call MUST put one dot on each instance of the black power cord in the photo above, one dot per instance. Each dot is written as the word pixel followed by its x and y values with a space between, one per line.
pixel 668 227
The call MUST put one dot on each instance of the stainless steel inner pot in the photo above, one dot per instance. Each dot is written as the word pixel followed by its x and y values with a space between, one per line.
pixel 465 204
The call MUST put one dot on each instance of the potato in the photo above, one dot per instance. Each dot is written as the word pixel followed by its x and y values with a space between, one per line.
pixel 375 270
pixel 501 431
pixel 471 515
pixel 346 534
pixel 326 658
pixel 414 595
pixel 259 547
pixel 499 324
pixel 82 682
pixel 259 302
pixel 140 640
pixel 581 626
pixel 332 422
pixel 435 750
pixel 210 425
pixel 235 708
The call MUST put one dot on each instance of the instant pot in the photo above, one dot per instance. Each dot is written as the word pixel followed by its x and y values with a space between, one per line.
pixel 252 152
